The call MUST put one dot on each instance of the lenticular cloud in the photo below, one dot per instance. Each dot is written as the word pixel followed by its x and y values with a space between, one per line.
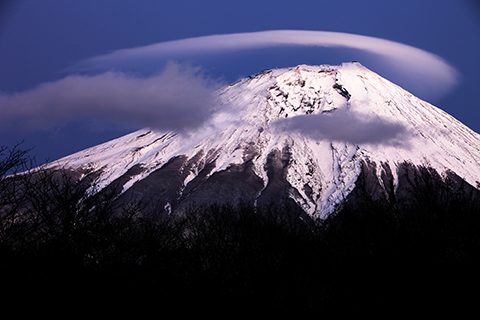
pixel 400 58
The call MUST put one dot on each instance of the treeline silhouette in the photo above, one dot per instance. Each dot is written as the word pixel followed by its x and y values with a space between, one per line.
pixel 63 242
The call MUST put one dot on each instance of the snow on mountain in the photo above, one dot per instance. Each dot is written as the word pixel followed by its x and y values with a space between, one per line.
pixel 300 133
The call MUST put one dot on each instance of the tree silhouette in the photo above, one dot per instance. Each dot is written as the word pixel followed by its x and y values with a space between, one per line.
pixel 418 253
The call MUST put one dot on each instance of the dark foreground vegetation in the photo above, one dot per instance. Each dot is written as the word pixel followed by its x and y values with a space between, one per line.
pixel 64 246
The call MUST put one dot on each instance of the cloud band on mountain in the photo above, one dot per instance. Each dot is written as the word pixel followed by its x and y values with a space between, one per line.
pixel 176 99
pixel 344 126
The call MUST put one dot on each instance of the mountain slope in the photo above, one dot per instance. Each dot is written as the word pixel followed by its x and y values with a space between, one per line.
pixel 301 135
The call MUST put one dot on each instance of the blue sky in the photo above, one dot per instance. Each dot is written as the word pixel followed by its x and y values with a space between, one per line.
pixel 42 43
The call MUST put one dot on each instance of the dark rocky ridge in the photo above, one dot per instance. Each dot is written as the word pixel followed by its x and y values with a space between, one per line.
pixel 417 186
pixel 163 191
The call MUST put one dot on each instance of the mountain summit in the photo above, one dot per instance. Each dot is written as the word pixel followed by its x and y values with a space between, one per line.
pixel 312 136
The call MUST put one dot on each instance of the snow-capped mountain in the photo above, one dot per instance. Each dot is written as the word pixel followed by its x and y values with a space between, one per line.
pixel 305 133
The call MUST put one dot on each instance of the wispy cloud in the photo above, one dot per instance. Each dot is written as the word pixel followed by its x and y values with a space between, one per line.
pixel 179 98
pixel 176 99
pixel 345 126
pixel 407 62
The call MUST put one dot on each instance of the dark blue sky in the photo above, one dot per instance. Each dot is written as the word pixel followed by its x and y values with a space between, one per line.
pixel 40 40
